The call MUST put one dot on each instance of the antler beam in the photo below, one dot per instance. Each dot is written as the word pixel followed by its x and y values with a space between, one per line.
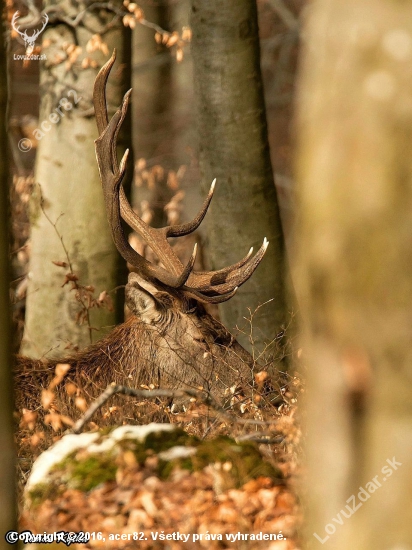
pixel 206 286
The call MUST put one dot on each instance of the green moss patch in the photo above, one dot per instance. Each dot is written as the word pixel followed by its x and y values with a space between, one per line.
pixel 239 462
pixel 42 492
pixel 86 473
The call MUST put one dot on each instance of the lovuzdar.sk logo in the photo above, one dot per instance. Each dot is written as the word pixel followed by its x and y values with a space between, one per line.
pixel 29 40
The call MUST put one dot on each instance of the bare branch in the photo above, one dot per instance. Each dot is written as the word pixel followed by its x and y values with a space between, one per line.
pixel 56 14
pixel 113 389
pixel 285 14
pixel 204 397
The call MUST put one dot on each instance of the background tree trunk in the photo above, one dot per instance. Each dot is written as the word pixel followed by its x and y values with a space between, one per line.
pixel 151 107
pixel 66 170
pixel 355 268
pixel 234 149
pixel 162 110
pixel 8 509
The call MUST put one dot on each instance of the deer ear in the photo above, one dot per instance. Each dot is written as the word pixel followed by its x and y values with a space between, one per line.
pixel 142 303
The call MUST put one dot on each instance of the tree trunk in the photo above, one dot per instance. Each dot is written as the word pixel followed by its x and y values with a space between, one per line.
pixel 355 265
pixel 66 170
pixel 151 107
pixel 234 149
pixel 8 516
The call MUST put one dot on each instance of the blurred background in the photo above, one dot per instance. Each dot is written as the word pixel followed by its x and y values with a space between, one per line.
pixel 154 53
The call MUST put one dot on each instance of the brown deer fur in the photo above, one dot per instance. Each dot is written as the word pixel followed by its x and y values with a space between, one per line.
pixel 169 341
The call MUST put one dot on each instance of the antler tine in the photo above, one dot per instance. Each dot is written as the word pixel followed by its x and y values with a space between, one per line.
pixel 188 269
pixel 210 299
pixel 186 228
pixel 45 22
pixel 111 176
pixel 220 275
pixel 37 33
pixel 225 291
pixel 99 94
pixel 241 275
pixel 234 276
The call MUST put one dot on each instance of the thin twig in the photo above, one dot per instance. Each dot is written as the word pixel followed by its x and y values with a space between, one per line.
pixel 79 297
pixel 205 398
pixel 113 389
pixel 285 14
pixel 261 439
pixel 55 14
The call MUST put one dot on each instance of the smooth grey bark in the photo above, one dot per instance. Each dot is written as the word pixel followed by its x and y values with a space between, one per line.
pixel 151 82
pixel 8 516
pixel 355 271
pixel 151 106
pixel 185 136
pixel 66 170
pixel 163 109
pixel 234 149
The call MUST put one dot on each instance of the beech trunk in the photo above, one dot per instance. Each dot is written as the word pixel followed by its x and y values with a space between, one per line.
pixel 69 185
pixel 234 149
pixel 355 266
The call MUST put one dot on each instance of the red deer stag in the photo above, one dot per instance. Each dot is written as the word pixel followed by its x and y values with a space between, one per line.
pixel 169 341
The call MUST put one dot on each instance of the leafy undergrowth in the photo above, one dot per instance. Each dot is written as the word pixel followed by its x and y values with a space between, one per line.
pixel 143 494
pixel 217 494
pixel 187 503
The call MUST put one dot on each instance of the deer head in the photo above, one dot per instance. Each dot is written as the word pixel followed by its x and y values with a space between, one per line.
pixel 29 40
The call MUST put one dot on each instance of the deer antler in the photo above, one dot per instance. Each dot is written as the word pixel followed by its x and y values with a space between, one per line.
pixel 206 286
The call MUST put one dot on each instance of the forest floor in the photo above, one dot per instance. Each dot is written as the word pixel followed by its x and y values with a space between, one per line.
pixel 190 510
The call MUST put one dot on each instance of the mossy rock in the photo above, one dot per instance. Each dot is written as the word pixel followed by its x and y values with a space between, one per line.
pixel 85 461
pixel 238 462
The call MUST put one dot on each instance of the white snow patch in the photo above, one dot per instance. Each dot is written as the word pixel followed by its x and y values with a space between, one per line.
pixel 55 454
pixel 177 452
pixel 74 442
pixel 140 432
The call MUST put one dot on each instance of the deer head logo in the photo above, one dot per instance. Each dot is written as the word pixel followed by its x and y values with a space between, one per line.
pixel 29 40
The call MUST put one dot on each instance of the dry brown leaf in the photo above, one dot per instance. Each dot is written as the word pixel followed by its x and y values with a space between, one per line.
pixel 148 504
pixel 66 420
pixel 29 419
pixel 62 369
pixel 81 404
pixel 70 388
pixel 53 419
pixel 47 397
pixel 172 39
pixel 187 34
pixel 179 54
pixel 36 438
